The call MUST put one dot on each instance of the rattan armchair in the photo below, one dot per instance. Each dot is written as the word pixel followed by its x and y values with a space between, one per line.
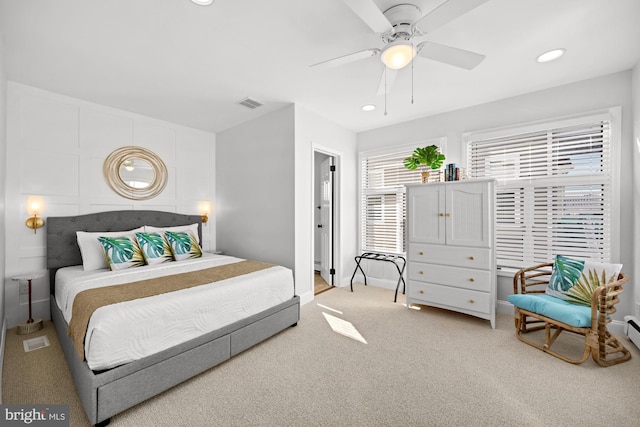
pixel 604 348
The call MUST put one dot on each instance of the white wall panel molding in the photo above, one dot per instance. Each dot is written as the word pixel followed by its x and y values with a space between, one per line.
pixel 49 125
pixel 54 174
pixel 93 181
pixel 56 147
pixel 102 132
pixel 36 251
pixel 159 139
pixel 103 207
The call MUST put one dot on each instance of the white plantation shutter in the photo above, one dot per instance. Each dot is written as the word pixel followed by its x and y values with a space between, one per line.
pixel 383 201
pixel 554 190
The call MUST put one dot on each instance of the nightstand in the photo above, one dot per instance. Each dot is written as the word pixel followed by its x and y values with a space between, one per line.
pixel 31 325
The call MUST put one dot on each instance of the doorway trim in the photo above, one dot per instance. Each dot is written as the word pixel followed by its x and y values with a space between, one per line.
pixel 337 198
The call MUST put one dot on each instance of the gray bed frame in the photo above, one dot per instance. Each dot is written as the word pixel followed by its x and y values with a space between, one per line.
pixel 107 393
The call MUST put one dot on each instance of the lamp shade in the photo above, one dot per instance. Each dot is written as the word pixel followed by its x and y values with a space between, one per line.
pixel 34 207
pixel 398 55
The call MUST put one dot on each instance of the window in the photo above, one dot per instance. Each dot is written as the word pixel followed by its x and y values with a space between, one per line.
pixel 554 189
pixel 382 208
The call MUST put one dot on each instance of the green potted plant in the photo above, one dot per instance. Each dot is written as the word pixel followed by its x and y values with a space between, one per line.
pixel 427 158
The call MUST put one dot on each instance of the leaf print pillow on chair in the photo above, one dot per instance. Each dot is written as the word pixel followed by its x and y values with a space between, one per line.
pixel 575 280
pixel 122 252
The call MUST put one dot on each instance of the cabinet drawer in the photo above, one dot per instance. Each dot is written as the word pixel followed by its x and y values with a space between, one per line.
pixel 457 256
pixel 448 297
pixel 467 278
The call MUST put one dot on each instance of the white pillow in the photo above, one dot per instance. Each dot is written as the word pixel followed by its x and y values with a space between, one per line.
pixel 93 257
pixel 193 228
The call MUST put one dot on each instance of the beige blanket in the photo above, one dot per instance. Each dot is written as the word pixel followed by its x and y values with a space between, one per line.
pixel 88 301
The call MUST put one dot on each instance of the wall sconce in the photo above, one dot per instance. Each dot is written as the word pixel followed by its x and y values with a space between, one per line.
pixel 34 222
pixel 204 211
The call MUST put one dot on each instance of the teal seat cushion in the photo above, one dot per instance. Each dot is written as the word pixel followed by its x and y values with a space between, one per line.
pixel 572 314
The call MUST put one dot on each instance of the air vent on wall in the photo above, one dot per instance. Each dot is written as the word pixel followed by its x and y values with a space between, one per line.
pixel 250 103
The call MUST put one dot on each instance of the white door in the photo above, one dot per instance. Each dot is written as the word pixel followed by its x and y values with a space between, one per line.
pixel 468 213
pixel 326 220
pixel 425 207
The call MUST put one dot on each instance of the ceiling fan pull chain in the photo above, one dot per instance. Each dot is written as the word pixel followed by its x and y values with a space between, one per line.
pixel 413 49
pixel 385 90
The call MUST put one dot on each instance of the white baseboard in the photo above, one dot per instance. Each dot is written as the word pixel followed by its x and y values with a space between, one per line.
pixel 306 298
pixel 377 282
pixel 2 343
pixel 504 307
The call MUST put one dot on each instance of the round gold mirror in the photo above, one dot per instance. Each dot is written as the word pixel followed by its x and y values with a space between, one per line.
pixel 135 173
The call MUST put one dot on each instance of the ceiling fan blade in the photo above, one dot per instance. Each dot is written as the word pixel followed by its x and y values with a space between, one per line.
pixel 371 15
pixel 446 12
pixel 386 81
pixel 450 55
pixel 345 59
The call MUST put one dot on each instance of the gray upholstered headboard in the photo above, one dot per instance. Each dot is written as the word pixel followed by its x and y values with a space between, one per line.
pixel 62 245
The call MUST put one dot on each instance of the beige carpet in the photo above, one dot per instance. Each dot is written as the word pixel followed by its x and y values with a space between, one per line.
pixel 425 367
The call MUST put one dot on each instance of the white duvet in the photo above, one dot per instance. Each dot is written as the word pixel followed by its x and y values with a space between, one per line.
pixel 127 331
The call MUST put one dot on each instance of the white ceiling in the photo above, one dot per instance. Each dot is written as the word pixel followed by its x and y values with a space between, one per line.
pixel 188 64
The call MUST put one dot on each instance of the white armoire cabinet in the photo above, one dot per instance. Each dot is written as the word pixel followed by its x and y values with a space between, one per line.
pixel 451 247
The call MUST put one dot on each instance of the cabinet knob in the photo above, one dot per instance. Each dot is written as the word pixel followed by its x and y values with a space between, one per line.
pixel 472 280
pixel 471 258
pixel 421 272
pixel 471 301
pixel 447 214
pixel 421 291
pixel 441 214
pixel 420 253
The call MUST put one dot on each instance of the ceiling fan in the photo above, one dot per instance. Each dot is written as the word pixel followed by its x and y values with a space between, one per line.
pixel 400 28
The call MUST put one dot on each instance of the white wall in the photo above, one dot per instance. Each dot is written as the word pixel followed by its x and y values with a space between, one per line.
pixel 56 146
pixel 635 179
pixel 607 91
pixel 255 172
pixel 315 133
pixel 3 170
pixel 265 181
pixel 3 155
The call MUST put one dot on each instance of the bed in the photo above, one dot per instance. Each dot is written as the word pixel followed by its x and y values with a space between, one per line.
pixel 108 387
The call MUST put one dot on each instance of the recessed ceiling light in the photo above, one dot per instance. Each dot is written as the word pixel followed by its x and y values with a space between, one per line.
pixel 368 107
pixel 551 55
pixel 203 2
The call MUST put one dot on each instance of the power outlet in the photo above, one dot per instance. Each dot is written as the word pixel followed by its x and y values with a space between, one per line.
pixel 24 288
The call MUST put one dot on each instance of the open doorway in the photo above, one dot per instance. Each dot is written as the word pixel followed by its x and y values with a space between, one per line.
pixel 324 221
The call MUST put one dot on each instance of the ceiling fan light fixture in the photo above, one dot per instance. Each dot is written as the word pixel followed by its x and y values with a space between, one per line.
pixel 551 55
pixel 398 55
pixel 202 2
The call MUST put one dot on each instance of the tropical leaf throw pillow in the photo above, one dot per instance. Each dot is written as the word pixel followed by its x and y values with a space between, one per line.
pixel 574 280
pixel 122 252
pixel 155 248
pixel 183 245
pixel 92 251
